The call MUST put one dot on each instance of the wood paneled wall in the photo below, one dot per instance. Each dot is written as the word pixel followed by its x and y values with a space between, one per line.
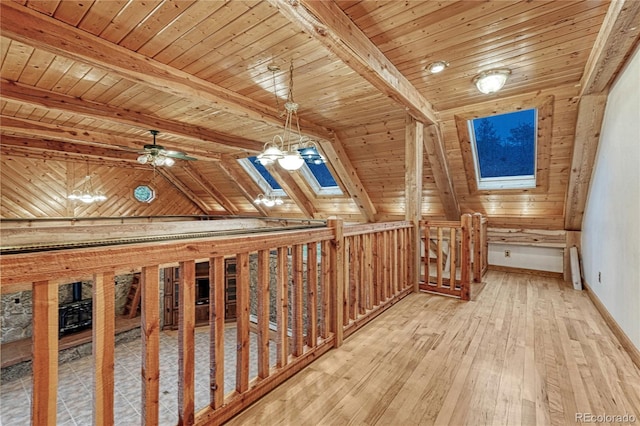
pixel 38 188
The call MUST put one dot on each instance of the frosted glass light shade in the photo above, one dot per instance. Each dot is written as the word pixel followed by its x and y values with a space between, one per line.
pixel 291 161
pixel 491 81
pixel 270 155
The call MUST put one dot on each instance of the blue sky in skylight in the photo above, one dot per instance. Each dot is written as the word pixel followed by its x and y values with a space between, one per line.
pixel 506 144
pixel 320 172
pixel 265 173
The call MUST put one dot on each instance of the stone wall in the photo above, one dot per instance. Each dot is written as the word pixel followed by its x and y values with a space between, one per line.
pixel 253 283
pixel 15 318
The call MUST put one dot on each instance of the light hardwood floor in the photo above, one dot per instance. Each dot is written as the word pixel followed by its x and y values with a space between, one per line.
pixel 530 350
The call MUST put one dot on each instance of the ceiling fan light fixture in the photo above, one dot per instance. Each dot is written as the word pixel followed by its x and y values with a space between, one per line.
pixel 491 81
pixel 437 66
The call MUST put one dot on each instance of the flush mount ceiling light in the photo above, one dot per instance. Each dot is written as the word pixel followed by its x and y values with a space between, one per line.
pixel 492 80
pixel 285 149
pixel 436 67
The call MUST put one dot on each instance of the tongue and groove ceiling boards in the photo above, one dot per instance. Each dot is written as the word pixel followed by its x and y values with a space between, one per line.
pixel 84 82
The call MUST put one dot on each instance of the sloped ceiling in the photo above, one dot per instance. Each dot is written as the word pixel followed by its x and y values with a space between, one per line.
pixel 83 82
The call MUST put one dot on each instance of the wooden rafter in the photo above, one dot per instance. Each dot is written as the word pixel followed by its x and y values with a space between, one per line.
pixel 587 136
pixel 347 174
pixel 618 36
pixel 67 148
pixel 28 26
pixel 433 146
pixel 56 101
pixel 49 131
pixel 327 23
pixel 188 193
pixel 616 40
pixel 231 168
pixel 220 198
pixel 293 190
pixel 55 150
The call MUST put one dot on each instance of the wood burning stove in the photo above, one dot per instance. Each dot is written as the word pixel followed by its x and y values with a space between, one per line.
pixel 76 315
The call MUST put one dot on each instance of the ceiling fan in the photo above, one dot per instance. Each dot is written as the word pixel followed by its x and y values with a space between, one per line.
pixel 157 155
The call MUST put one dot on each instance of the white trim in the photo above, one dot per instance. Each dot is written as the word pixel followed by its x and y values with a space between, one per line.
pixel 306 172
pixel 259 179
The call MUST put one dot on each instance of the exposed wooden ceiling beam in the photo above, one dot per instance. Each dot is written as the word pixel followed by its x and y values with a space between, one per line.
pixel 294 191
pixel 587 135
pixel 618 37
pixel 56 101
pixel 28 26
pixel 327 23
pixel 616 40
pixel 338 158
pixel 120 145
pixel 173 180
pixel 235 173
pixel 433 146
pixel 220 198
pixel 50 150
pixel 98 139
pixel 63 147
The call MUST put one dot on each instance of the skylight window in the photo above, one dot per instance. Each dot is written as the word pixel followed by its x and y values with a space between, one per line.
pixel 261 176
pixel 504 150
pixel 318 175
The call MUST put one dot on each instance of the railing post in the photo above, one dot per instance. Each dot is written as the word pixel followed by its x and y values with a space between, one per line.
pixel 150 327
pixel 103 333
pixel 45 353
pixel 465 260
pixel 337 282
pixel 186 343
pixel 477 247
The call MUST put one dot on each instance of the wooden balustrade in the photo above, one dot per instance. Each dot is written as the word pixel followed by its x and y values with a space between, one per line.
pixel 377 270
pixel 453 253
pixel 328 282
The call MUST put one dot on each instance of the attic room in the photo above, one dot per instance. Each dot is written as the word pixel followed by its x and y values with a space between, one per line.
pixel 319 212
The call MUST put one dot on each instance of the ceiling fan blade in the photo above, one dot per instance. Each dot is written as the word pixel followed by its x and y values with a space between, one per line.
pixel 179 155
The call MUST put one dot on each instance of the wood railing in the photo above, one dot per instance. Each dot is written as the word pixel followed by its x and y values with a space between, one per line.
pixel 337 277
pixel 377 270
pixel 453 253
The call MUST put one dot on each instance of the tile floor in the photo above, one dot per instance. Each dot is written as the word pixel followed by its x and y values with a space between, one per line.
pixel 75 382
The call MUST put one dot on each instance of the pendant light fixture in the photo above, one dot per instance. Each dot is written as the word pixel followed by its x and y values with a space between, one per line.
pixel 285 148
pixel 87 194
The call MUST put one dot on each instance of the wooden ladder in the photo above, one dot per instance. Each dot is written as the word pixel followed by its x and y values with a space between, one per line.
pixel 133 297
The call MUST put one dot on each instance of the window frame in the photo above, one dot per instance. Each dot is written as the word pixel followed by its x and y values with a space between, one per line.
pixel 503 182
pixel 544 132
pixel 257 177
pixel 318 189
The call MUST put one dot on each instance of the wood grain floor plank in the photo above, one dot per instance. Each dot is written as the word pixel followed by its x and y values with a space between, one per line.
pixel 529 350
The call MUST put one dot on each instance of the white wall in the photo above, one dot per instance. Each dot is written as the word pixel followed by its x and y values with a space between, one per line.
pixel 611 225
pixel 527 257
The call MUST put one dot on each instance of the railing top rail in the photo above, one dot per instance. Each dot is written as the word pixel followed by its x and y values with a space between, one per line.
pixel 370 228
pixel 76 264
pixel 441 223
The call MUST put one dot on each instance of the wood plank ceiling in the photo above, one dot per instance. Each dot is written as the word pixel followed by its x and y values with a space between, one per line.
pixel 84 81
